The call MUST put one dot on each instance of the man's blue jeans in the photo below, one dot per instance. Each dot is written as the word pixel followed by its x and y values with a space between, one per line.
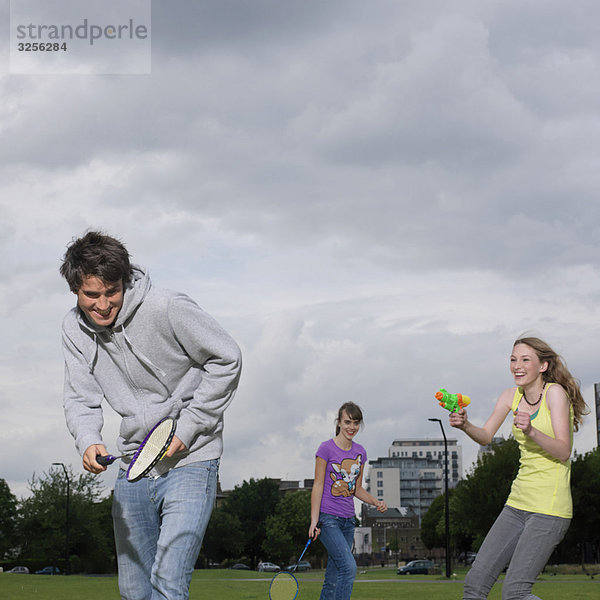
pixel 159 525
pixel 337 535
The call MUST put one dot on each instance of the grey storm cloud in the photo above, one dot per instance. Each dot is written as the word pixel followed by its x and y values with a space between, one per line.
pixel 375 199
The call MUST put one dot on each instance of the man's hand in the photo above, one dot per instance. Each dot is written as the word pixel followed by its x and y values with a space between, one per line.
pixel 176 445
pixel 89 458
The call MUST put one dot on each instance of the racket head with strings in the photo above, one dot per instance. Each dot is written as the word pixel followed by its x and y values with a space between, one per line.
pixel 152 449
pixel 284 586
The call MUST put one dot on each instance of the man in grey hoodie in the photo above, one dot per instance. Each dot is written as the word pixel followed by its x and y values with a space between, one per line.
pixel 149 353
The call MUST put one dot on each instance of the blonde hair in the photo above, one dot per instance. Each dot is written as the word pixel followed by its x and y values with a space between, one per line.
pixel 557 372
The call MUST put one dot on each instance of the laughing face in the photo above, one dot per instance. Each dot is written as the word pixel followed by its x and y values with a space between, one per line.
pixel 525 365
pixel 99 300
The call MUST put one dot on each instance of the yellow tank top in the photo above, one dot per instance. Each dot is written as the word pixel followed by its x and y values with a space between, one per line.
pixel 543 483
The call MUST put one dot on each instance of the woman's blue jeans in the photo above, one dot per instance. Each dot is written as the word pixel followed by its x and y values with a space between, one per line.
pixel 522 540
pixel 337 535
pixel 159 525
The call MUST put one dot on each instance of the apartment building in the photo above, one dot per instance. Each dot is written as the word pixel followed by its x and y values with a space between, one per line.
pixel 412 475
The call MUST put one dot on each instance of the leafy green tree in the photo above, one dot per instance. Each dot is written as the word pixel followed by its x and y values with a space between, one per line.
pixel 224 538
pixel 433 527
pixel 42 519
pixel 478 499
pixel 582 541
pixel 93 540
pixel 287 529
pixel 252 502
pixel 278 544
pixel 429 524
pixel 8 520
pixel 42 522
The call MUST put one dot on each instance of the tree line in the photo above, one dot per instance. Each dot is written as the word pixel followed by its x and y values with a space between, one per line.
pixel 253 522
pixel 256 522
pixel 477 500
pixel 33 530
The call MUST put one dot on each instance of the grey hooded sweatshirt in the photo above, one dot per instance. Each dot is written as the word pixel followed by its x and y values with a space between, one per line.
pixel 163 356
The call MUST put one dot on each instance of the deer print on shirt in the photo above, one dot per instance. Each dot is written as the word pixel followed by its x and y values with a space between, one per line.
pixel 348 471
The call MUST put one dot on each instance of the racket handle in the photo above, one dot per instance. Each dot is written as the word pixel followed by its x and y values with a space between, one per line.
pixel 107 459
pixel 318 526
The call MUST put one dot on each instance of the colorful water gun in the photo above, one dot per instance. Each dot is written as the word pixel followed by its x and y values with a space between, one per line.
pixel 452 402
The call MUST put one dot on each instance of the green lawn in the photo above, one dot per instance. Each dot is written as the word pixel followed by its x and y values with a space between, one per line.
pixel 216 584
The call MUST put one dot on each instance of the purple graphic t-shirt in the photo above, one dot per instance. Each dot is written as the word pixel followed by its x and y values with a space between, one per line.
pixel 341 473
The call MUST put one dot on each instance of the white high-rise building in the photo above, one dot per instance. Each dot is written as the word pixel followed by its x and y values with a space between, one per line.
pixel 412 474
pixel 434 449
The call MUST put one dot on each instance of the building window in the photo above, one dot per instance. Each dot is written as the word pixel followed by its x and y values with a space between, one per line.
pixel 379 493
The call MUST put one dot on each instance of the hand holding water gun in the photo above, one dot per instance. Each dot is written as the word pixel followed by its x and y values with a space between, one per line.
pixel 452 402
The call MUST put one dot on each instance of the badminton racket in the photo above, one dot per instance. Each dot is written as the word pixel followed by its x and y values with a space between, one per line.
pixel 284 586
pixel 148 453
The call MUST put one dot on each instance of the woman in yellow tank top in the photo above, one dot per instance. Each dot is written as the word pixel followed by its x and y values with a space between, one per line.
pixel 546 406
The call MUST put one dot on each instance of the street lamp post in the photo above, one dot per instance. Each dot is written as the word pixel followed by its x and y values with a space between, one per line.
pixel 59 464
pixel 448 565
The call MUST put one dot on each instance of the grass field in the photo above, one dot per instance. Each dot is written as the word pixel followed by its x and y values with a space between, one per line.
pixel 217 584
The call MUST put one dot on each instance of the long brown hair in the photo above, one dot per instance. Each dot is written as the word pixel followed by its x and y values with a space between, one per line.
pixel 557 372
pixel 352 410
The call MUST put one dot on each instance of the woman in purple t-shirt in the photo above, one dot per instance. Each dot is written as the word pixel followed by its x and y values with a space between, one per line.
pixel 338 480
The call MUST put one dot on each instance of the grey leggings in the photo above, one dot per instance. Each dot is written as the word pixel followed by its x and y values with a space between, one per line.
pixel 522 540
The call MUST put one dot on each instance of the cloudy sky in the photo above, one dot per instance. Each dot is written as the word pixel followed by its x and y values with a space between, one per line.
pixel 374 198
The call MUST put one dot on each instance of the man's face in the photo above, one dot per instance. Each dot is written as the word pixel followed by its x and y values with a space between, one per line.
pixel 99 300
